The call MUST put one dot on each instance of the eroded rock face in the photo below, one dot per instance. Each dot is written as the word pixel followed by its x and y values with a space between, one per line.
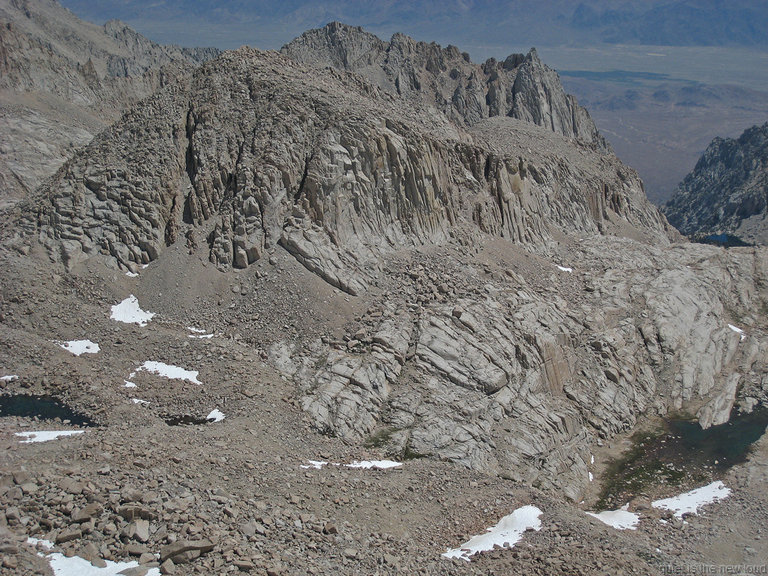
pixel 119 198
pixel 63 80
pixel 258 152
pixel 512 364
pixel 520 87
pixel 521 377
pixel 727 192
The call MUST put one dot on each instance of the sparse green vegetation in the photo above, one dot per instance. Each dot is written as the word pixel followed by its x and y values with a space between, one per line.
pixel 632 472
pixel 681 452
pixel 411 454
pixel 379 439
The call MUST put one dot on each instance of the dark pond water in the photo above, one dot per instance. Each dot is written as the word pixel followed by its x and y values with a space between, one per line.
pixel 185 420
pixel 680 453
pixel 42 408
pixel 721 446
pixel 725 240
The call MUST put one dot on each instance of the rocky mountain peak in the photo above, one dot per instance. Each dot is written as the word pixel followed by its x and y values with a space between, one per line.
pixel 519 87
pixel 63 80
pixel 251 153
pixel 115 27
pixel 337 45
pixel 727 191
pixel 357 269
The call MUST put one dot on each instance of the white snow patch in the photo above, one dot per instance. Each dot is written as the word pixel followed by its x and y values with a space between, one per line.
pixel 380 464
pixel 738 331
pixel 139 401
pixel 316 464
pixel 591 477
pixel 564 269
pixel 169 371
pixel 621 519
pixel 364 464
pixel 509 530
pixel 690 502
pixel 216 415
pixel 9 378
pixel 128 311
pixel 129 384
pixel 592 459
pixel 144 266
pixel 76 566
pixel 45 544
pixel 131 274
pixel 198 333
pixel 78 347
pixel 45 436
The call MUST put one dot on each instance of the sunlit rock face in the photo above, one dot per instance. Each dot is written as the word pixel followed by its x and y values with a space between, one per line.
pixel 524 299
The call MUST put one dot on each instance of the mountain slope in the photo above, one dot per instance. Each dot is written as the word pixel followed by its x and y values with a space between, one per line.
pixel 727 192
pixel 520 87
pixel 255 147
pixel 63 80
pixel 349 273
pixel 387 200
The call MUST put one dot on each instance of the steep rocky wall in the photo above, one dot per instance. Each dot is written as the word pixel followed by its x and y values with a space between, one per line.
pixel 255 152
pixel 63 80
pixel 523 380
pixel 119 198
pixel 727 191
pixel 520 87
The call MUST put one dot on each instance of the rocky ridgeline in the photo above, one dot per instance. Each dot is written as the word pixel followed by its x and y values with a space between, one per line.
pixel 519 87
pixel 46 48
pixel 476 347
pixel 258 151
pixel 63 80
pixel 727 192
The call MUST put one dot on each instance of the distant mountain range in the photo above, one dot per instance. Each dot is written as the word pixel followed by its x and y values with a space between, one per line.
pixel 268 24
pixel 677 23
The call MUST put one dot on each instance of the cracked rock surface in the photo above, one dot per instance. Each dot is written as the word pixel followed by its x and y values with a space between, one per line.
pixel 342 270
pixel 64 80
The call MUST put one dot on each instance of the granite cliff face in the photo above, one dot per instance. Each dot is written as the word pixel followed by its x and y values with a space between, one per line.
pixel 341 271
pixel 257 152
pixel 519 87
pixel 524 299
pixel 63 80
pixel 727 192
